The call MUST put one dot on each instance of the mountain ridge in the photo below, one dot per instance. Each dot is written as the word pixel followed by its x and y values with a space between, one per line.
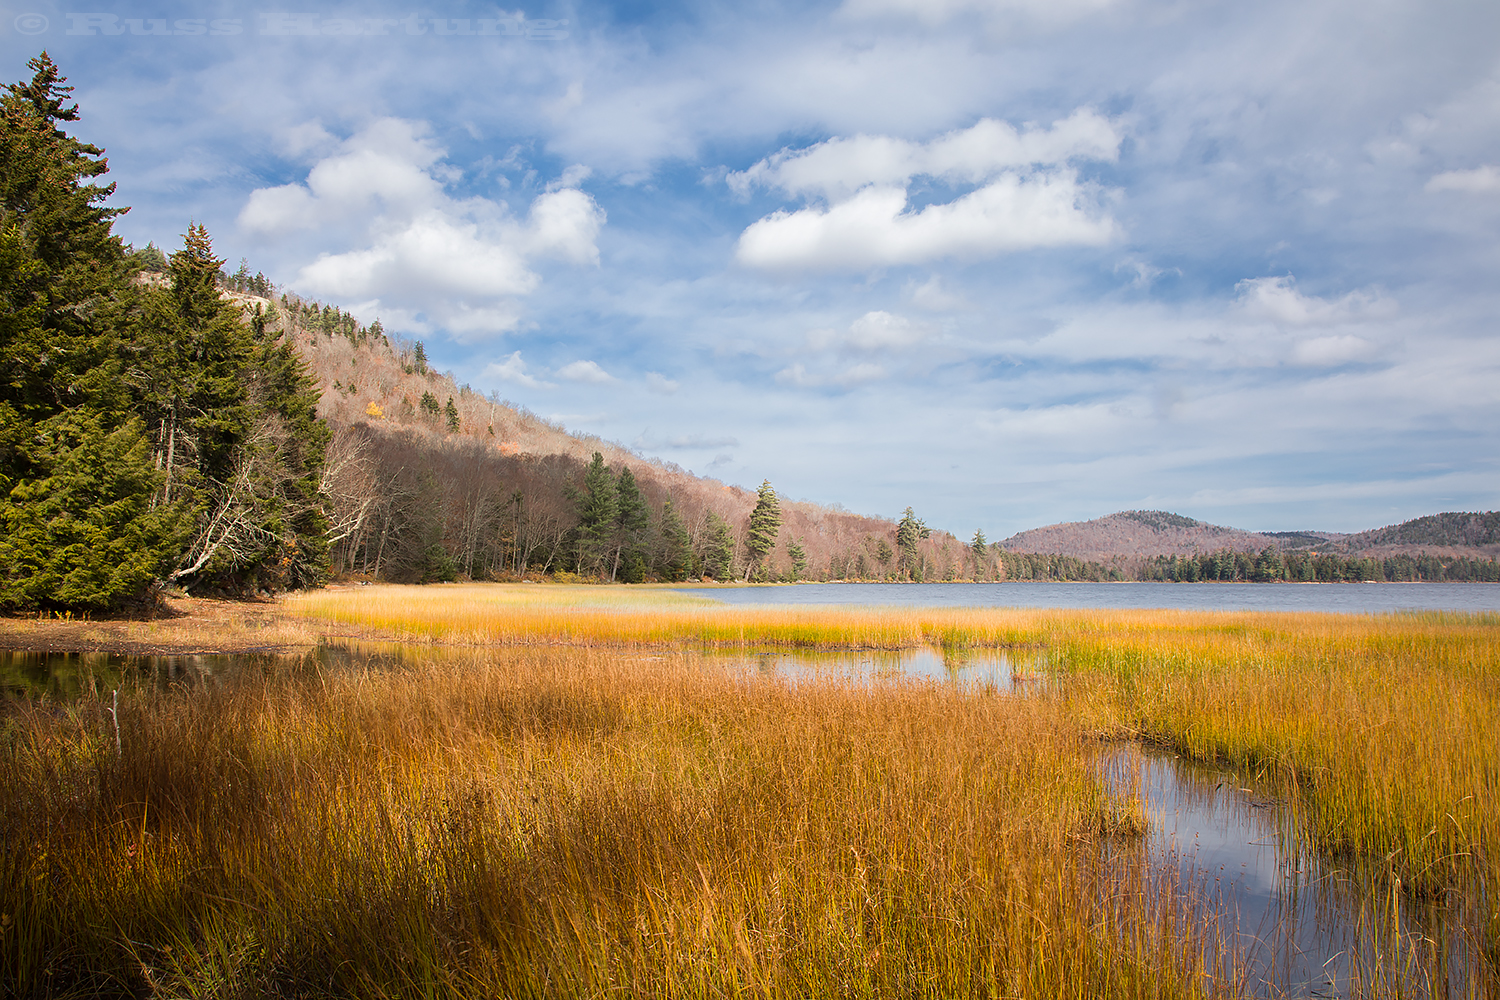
pixel 1135 534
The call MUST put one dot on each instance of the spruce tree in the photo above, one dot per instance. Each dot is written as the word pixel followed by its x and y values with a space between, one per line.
pixel 674 554
pixel 909 532
pixel 76 477
pixel 598 508
pixel 765 525
pixel 798 555
pixel 718 547
pixel 632 520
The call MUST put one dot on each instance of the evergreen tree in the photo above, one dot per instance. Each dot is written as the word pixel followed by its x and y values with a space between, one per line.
pixel 981 552
pixel 234 415
pixel 598 508
pixel 633 519
pixel 76 477
pixel 674 554
pixel 718 548
pixel 765 525
pixel 798 555
pixel 451 411
pixel 909 533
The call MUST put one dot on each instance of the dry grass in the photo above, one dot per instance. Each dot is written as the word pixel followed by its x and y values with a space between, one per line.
pixel 564 823
pixel 1387 727
pixel 519 614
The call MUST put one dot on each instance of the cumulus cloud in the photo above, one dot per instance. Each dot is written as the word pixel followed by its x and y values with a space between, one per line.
pixel 1026 197
pixel 1277 299
pixel 585 371
pixel 838 167
pixel 659 383
pixel 1480 180
pixel 514 370
pixel 873 332
pixel 417 256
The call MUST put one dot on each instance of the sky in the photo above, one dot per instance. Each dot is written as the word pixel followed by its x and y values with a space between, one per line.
pixel 1007 262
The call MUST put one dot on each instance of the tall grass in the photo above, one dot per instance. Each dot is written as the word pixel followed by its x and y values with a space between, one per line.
pixel 546 823
pixel 1384 729
pixel 499 614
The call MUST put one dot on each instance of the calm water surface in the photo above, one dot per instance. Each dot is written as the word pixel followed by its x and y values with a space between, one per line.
pixel 1352 598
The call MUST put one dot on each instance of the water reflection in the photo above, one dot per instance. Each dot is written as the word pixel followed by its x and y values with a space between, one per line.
pixel 1002 671
pixel 66 677
pixel 1281 920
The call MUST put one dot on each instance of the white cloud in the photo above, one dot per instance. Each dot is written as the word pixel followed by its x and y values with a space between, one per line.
pixel 873 228
pixel 1480 180
pixel 934 296
pixel 585 371
pixel 873 332
pixel 660 384
pixel 420 258
pixel 1277 299
pixel 798 376
pixel 1322 352
pixel 1026 197
pixel 838 167
pixel 513 369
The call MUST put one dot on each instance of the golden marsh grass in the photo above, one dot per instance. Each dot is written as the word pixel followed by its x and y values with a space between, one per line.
pixel 550 822
pixel 1385 727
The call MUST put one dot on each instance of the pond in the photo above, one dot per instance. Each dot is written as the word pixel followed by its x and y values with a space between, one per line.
pixel 1294 922
pixel 1278 920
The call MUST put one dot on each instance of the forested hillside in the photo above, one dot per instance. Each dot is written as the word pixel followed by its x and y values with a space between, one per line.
pixel 428 479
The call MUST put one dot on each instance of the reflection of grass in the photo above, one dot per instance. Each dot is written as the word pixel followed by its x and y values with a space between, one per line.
pixel 1388 725
pixel 550 822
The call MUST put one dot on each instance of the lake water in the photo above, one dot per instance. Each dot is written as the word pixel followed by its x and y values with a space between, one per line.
pixel 1347 598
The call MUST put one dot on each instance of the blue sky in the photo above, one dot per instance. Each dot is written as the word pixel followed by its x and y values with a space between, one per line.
pixel 1009 262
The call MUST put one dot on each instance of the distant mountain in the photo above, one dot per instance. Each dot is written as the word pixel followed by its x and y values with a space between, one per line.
pixel 1134 534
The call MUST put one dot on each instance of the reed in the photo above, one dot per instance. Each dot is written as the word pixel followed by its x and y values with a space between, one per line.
pixel 552 822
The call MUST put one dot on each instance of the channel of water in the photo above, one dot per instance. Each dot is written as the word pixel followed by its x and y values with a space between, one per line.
pixel 1277 919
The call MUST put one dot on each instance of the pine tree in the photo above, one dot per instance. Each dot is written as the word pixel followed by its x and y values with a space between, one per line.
pixel 765 525
pixel 981 552
pixel 632 520
pixel 76 479
pixel 909 532
pixel 598 508
pixel 451 412
pixel 674 554
pixel 718 548
pixel 798 555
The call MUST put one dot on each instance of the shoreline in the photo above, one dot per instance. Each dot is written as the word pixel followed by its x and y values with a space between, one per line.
pixel 182 626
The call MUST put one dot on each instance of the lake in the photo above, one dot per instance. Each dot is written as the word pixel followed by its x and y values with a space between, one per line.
pixel 1345 598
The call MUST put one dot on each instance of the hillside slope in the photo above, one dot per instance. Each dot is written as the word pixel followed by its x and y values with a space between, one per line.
pixel 419 459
